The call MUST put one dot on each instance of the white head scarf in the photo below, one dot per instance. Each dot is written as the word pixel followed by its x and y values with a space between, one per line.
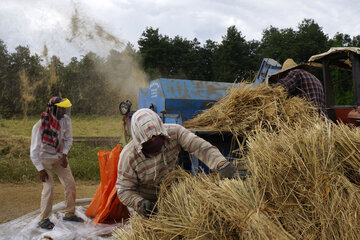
pixel 145 123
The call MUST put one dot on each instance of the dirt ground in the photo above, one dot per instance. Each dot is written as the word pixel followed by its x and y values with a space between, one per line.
pixel 17 200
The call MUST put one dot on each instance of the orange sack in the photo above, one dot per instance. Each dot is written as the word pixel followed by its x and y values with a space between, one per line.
pixel 106 206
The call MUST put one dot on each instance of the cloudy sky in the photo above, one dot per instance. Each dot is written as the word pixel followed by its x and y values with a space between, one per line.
pixel 72 27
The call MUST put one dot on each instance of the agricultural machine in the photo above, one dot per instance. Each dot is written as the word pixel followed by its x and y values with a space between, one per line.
pixel 178 100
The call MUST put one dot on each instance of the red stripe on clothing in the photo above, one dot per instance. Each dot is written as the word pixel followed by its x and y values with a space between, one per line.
pixel 192 140
pixel 185 135
pixel 131 163
pixel 178 130
pixel 126 187
pixel 214 160
pixel 149 128
pixel 149 167
pixel 128 196
pixel 207 150
pixel 141 116
pixel 126 175
pixel 171 149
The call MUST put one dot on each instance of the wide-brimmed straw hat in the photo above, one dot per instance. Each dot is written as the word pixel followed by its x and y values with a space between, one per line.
pixel 288 65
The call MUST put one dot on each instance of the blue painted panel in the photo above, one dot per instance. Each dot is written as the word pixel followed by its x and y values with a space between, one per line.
pixel 142 100
pixel 187 108
pixel 268 67
pixel 182 99
pixel 154 96
pixel 193 89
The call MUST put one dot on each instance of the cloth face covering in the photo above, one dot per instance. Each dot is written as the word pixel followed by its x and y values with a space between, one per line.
pixel 154 145
pixel 50 127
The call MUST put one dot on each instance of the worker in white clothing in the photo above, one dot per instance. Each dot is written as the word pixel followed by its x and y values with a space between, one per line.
pixel 51 141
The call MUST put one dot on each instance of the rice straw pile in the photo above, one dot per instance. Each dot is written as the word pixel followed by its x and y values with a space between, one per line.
pixel 243 108
pixel 310 179
pixel 205 207
pixel 304 185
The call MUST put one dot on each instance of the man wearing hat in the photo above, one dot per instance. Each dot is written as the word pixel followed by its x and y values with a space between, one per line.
pixel 298 81
pixel 51 141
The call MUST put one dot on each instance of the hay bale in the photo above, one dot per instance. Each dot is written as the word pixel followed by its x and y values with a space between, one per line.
pixel 243 108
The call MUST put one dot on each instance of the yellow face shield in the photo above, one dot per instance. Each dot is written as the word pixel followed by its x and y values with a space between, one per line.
pixel 64 104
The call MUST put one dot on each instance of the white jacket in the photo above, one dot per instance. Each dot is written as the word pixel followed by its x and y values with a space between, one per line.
pixel 39 151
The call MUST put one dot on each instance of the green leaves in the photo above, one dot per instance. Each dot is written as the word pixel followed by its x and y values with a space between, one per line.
pixel 96 85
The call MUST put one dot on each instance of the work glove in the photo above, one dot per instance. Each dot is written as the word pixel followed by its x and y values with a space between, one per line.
pixel 228 170
pixel 145 207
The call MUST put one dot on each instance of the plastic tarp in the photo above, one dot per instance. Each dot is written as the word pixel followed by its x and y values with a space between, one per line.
pixel 26 228
pixel 101 217
pixel 106 206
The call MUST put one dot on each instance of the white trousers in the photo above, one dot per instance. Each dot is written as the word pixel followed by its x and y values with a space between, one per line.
pixel 67 180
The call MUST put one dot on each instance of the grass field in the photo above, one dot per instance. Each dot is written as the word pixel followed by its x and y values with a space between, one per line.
pixel 83 126
pixel 15 135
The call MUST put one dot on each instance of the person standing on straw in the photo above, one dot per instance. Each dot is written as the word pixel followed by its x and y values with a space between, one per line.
pixel 153 153
pixel 51 141
pixel 298 81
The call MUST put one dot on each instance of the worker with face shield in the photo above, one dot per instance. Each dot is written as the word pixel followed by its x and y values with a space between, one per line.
pixel 50 144
pixel 153 153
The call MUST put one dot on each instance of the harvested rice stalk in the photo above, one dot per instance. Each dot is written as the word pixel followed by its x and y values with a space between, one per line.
pixel 243 108
pixel 205 207
pixel 310 178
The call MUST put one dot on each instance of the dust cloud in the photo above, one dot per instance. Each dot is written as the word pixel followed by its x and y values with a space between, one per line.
pixel 124 71
pixel 121 67
pixel 89 35
pixel 52 77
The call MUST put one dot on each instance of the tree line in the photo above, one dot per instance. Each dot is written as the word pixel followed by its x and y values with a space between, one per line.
pixel 27 81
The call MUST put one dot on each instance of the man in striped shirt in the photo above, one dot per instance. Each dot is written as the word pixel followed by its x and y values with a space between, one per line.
pixel 299 82
pixel 153 153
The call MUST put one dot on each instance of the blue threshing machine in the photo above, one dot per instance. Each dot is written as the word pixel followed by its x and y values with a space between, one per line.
pixel 178 100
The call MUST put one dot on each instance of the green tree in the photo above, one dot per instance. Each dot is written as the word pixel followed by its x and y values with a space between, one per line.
pixel 4 80
pixel 71 83
pixel 199 63
pixel 278 44
pixel 356 41
pixel 340 40
pixel 310 40
pixel 24 70
pixel 206 60
pixel 230 59
pixel 300 45
pixel 50 85
pixel 344 40
pixel 154 48
pixel 342 80
pixel 91 84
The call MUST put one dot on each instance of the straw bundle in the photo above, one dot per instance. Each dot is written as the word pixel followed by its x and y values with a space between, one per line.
pixel 310 179
pixel 243 108
pixel 304 185
pixel 205 207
